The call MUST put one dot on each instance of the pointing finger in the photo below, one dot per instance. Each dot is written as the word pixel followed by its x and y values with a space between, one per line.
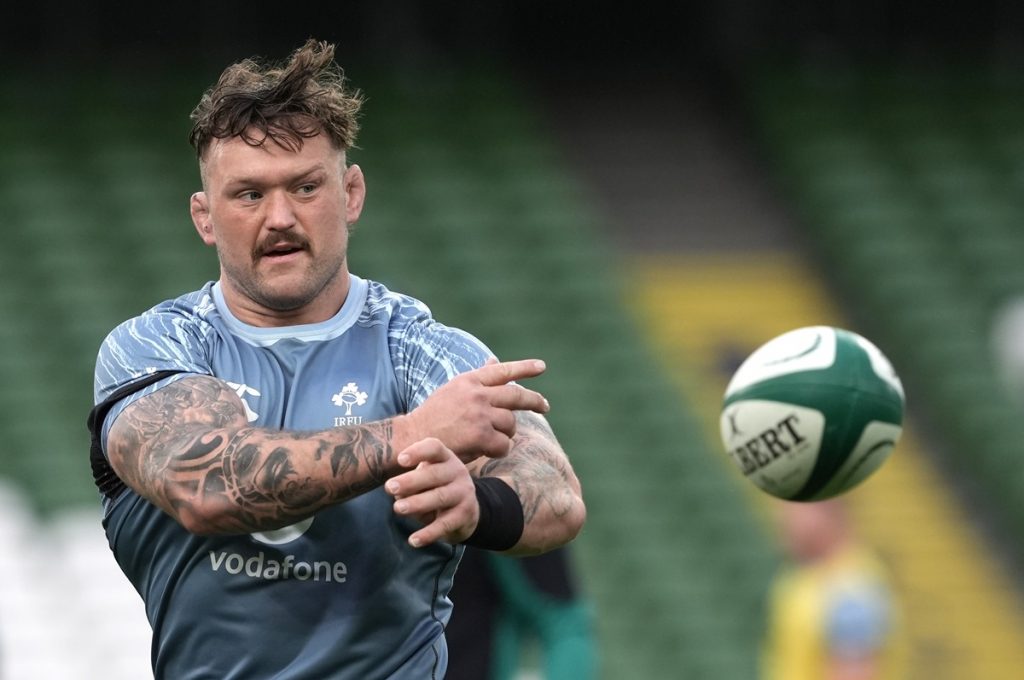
pixel 507 371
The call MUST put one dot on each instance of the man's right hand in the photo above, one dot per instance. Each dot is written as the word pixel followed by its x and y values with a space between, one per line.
pixel 474 413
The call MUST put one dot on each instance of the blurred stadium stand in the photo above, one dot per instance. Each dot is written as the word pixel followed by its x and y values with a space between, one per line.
pixel 64 613
pixel 909 183
pixel 903 183
pixel 498 238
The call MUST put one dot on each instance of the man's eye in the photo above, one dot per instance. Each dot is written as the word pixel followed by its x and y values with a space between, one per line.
pixel 250 195
pixel 307 188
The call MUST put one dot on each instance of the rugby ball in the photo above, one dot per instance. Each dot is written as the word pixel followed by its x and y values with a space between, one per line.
pixel 812 413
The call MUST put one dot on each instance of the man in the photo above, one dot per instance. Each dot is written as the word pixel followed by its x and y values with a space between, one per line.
pixel 292 457
pixel 833 614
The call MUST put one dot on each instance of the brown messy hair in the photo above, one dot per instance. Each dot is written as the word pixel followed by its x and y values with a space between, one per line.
pixel 287 103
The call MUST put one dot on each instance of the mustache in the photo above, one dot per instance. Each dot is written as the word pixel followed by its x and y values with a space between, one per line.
pixel 269 244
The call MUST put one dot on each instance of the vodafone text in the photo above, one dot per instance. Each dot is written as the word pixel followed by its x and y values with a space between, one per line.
pixel 259 566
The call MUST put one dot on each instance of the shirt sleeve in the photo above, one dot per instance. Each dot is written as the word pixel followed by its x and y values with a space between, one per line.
pixel 153 342
pixel 427 354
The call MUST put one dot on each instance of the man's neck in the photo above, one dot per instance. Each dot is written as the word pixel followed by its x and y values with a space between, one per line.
pixel 324 306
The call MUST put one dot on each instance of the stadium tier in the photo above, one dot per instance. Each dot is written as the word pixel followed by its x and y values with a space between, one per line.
pixel 672 555
pixel 907 181
pixel 469 209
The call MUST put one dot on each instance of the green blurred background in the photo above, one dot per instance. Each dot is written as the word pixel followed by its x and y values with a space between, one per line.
pixel 589 184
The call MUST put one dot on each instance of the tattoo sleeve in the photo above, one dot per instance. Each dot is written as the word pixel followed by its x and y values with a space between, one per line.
pixel 189 449
pixel 538 470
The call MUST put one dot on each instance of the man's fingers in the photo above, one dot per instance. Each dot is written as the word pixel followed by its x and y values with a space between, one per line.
pixel 417 481
pixel 504 422
pixel 431 533
pixel 518 398
pixel 507 371
pixel 437 491
pixel 426 457
pixel 429 500
pixel 453 526
pixel 429 450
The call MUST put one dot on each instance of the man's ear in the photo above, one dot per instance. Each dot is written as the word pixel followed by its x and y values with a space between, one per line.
pixel 355 194
pixel 199 206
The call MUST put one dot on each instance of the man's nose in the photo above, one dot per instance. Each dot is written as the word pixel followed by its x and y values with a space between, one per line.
pixel 279 213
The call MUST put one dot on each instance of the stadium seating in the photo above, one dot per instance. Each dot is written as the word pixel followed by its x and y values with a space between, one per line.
pixel 514 253
pixel 907 182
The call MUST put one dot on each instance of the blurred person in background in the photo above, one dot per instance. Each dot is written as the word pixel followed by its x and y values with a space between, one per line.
pixel 502 604
pixel 1007 341
pixel 833 614
pixel 292 458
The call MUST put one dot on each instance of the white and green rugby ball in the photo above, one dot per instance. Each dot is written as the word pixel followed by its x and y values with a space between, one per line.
pixel 812 413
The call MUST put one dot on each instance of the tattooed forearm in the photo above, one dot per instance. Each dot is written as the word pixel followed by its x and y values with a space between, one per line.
pixel 189 449
pixel 360 456
pixel 537 470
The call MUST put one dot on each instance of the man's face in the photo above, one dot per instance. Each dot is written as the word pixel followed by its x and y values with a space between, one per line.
pixel 279 220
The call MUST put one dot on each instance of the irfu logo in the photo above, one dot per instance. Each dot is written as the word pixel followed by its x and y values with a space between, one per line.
pixel 348 397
